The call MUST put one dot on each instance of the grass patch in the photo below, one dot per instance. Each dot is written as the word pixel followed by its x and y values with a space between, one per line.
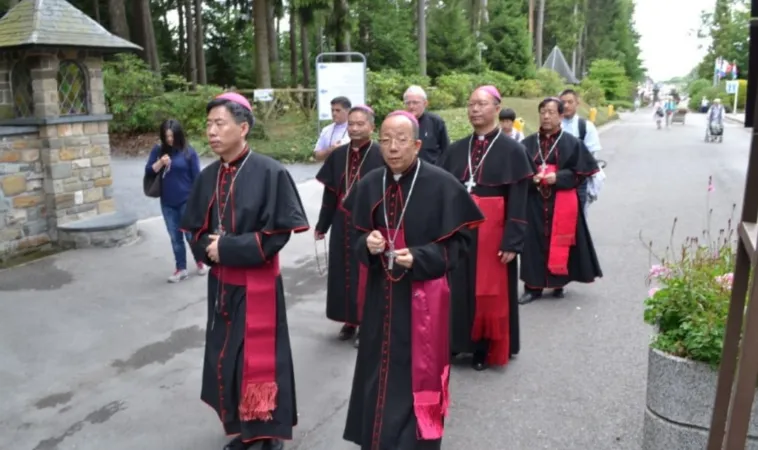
pixel 291 139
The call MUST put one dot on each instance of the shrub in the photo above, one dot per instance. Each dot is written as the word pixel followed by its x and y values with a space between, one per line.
pixel 129 85
pixel 528 89
pixel 689 299
pixel 592 92
pixel 504 83
pixel 551 84
pixel 440 99
pixel 611 77
pixel 696 88
pixel 622 105
pixel 459 85
pixel 386 88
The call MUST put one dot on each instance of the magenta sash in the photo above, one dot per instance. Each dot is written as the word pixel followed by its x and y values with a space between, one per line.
pixel 430 349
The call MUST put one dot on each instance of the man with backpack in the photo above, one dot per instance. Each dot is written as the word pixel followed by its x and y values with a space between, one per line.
pixel 586 132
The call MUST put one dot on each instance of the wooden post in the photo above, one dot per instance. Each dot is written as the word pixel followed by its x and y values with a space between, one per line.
pixel 734 395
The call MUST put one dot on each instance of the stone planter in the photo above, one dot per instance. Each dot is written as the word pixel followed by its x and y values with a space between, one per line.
pixel 680 395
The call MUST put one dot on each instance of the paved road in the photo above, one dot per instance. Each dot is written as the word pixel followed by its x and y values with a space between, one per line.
pixel 99 352
pixel 127 184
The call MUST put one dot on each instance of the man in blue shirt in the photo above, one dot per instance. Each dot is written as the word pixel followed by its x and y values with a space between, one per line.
pixel 585 131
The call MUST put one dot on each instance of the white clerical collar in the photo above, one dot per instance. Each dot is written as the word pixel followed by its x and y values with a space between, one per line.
pixel 480 137
pixel 397 176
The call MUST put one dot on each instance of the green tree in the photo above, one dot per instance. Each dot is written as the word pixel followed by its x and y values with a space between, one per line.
pixel 728 28
pixel 451 45
pixel 612 78
pixel 507 38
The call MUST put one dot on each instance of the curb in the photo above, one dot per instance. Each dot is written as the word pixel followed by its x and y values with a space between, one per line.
pixel 734 119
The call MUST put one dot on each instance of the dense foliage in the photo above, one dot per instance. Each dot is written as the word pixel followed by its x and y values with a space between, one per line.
pixel 688 301
pixel 139 100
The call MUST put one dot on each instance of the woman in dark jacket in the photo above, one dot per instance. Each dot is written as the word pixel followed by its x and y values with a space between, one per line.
pixel 179 165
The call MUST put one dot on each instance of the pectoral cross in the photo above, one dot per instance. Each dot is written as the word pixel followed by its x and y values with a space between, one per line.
pixel 390 254
pixel 544 168
pixel 220 231
pixel 470 184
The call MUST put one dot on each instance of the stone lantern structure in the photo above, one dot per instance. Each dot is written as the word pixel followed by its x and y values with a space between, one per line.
pixel 55 172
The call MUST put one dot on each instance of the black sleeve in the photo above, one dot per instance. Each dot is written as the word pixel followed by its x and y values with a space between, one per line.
pixel 436 259
pixel 515 217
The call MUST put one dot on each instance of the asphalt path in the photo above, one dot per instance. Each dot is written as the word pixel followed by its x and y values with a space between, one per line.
pixel 99 352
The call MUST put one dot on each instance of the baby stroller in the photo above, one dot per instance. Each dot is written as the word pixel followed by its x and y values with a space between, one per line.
pixel 714 132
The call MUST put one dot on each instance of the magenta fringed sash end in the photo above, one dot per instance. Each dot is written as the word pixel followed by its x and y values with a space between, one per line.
pixel 430 356
pixel 258 401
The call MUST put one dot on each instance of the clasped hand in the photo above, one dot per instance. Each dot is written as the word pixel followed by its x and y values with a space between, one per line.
pixel 376 244
pixel 549 178
pixel 212 248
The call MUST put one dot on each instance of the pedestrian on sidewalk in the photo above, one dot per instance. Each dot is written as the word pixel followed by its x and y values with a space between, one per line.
pixel 346 280
pixel 242 211
pixel 178 165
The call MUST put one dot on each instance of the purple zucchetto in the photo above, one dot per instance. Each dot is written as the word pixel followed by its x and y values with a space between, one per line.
pixel 405 114
pixel 490 89
pixel 236 98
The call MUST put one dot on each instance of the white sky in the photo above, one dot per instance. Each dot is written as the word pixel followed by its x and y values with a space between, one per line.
pixel 668 35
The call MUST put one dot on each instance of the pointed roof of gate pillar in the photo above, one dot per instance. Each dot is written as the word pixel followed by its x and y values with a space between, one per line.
pixel 557 63
pixel 56 23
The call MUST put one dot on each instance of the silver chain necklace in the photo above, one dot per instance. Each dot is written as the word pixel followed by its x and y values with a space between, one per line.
pixel 390 254
pixel 472 171
pixel 349 187
pixel 539 150
pixel 221 212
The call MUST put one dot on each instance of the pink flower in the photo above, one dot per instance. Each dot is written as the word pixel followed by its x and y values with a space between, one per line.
pixel 658 271
pixel 651 293
pixel 725 280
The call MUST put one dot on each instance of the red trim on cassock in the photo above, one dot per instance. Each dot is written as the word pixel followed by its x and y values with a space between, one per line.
pixel 258 388
pixel 430 349
pixel 563 232
pixel 491 320
pixel 361 290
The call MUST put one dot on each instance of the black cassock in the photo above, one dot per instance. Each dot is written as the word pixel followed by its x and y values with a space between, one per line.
pixel 504 174
pixel 259 207
pixel 381 409
pixel 572 163
pixel 340 172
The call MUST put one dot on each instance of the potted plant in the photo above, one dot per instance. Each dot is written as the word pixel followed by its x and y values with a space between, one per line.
pixel 687 304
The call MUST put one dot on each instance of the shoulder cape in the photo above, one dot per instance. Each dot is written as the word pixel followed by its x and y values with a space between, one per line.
pixel 572 154
pixel 441 205
pixel 506 163
pixel 263 181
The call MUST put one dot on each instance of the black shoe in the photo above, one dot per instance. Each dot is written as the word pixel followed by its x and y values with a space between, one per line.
pixel 273 444
pixel 235 444
pixel 529 297
pixel 558 293
pixel 479 361
pixel 346 333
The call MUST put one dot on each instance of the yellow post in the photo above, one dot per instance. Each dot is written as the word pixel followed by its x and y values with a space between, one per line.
pixel 518 125
pixel 610 110
pixel 593 114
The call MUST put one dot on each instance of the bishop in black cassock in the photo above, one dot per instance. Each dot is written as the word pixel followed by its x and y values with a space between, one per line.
pixel 411 216
pixel 558 248
pixel 346 282
pixel 241 213
pixel 484 286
